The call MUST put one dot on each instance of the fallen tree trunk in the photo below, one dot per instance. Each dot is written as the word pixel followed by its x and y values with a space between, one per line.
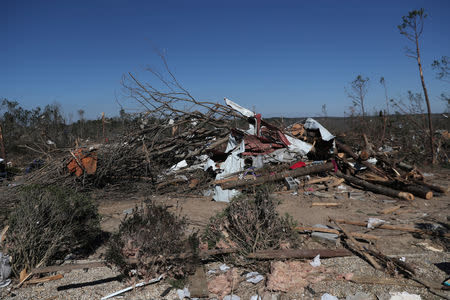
pixel 345 148
pixel 377 188
pixel 417 190
pixel 299 253
pixel 269 178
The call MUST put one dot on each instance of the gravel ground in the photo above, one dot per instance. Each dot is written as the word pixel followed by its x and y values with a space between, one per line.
pixel 98 282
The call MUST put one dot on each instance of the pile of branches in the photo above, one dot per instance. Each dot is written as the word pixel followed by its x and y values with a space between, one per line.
pixel 174 127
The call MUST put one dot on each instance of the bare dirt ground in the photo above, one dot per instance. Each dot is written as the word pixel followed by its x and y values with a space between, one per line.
pixel 422 252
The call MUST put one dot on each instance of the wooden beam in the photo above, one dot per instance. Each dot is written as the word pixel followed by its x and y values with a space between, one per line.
pixel 279 176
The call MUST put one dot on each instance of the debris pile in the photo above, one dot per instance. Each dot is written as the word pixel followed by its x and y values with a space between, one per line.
pixel 210 154
pixel 226 152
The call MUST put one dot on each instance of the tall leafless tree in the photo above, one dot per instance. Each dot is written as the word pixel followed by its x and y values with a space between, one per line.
pixel 358 91
pixel 412 28
pixel 383 82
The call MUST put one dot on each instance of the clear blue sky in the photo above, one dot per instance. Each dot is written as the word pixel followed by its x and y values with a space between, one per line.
pixel 280 57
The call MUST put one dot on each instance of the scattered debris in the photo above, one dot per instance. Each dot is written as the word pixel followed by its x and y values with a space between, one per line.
pixel 5 270
pixel 254 277
pixel 316 261
pixel 144 283
pixel 223 284
pixel 293 276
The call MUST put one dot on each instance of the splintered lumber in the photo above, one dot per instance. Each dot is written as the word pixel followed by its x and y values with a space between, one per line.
pixel 377 188
pixel 358 248
pixel 382 226
pixel 330 230
pixel 299 253
pixel 345 148
pixel 390 209
pixel 279 176
pixel 45 279
pixel 436 188
pixel 3 233
pixel 319 180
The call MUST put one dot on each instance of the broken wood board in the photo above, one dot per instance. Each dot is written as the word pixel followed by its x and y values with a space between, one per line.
pixel 330 230
pixel 45 279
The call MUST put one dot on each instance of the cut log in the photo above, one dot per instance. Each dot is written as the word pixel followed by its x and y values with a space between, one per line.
pixel 377 188
pixel 436 188
pixel 420 191
pixel 417 190
pixel 299 253
pixel 279 176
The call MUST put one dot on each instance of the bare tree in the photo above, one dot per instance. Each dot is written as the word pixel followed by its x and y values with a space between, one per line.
pixel 412 29
pixel 383 82
pixel 358 91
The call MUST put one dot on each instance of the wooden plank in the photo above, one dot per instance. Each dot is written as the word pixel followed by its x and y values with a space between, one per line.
pixel 45 279
pixel 68 267
pixel 359 248
pixel 390 209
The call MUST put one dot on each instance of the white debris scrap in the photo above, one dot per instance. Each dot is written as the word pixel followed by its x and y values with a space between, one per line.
pixel 184 293
pixel 254 277
pixel 374 222
pixel 316 261
pixel 327 296
pixel 231 297
pixel 182 164
pixel 324 133
pixel 404 296
pixel 224 267
pixel 244 111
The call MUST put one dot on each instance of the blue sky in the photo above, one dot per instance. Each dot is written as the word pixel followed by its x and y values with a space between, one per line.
pixel 279 57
